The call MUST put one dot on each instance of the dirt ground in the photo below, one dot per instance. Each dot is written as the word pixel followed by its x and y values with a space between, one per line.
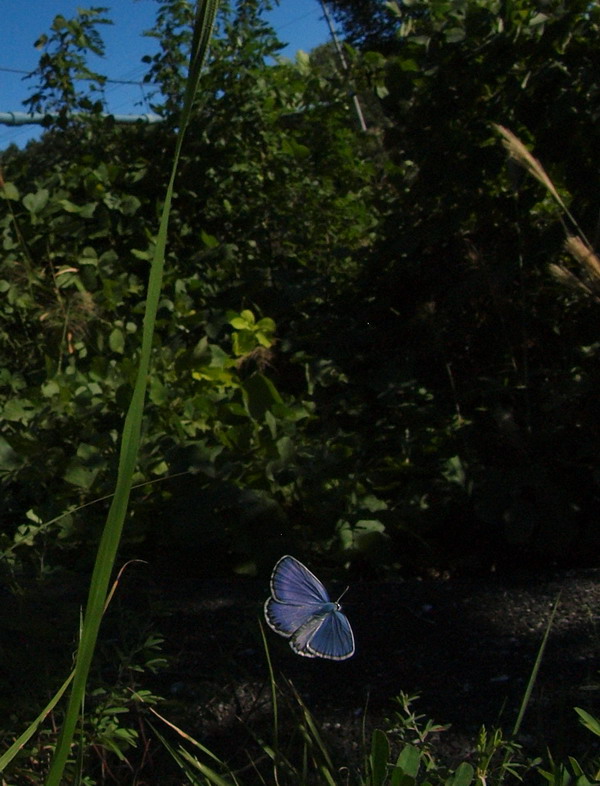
pixel 466 646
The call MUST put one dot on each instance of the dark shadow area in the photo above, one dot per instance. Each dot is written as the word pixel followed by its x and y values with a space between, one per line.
pixel 466 646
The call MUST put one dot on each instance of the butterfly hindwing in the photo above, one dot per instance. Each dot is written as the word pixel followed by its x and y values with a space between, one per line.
pixel 285 618
pixel 301 638
pixel 333 639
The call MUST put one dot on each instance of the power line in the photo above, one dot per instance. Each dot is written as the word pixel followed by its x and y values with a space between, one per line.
pixel 293 21
pixel 103 79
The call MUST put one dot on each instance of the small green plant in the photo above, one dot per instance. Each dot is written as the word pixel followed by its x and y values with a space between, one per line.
pixel 572 772
pixel 113 716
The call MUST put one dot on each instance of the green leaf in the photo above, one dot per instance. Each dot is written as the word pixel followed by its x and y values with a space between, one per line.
pixel 409 760
pixel 463 776
pixel 210 241
pixel 50 389
pixel 18 409
pixel 10 191
pixel 157 392
pixel 116 340
pixel 538 19
pixel 407 765
pixel 36 202
pixel 259 396
pixel 243 342
pixel 81 476
pixel 290 147
pixel 454 35
pixel 9 458
pixel 379 757
pixel 129 204
pixel 85 466
pixel 589 721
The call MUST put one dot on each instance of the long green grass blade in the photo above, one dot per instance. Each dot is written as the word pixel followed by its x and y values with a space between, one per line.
pixel 24 738
pixel 184 759
pixel 273 684
pixel 535 670
pixel 111 535
pixel 209 773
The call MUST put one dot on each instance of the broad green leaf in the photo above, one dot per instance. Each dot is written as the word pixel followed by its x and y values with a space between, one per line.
pixel 18 409
pixel 243 342
pixel 157 392
pixel 50 388
pixel 10 191
pixel 379 757
pixel 129 205
pixel 81 476
pixel 409 760
pixel 290 147
pixel 116 340
pixel 454 35
pixel 36 202
pixel 259 395
pixel 463 775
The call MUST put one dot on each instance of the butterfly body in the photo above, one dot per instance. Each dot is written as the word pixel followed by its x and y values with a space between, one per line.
pixel 300 609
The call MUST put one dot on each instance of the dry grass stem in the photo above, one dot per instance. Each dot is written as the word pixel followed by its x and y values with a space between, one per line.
pixel 568 279
pixel 584 255
pixel 519 153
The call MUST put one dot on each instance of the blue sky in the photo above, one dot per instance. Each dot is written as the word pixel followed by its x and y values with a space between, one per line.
pixel 298 23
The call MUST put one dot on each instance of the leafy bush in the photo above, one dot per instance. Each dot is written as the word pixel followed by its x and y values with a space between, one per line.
pixel 429 387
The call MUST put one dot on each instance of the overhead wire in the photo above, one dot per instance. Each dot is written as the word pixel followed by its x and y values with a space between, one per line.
pixel 116 83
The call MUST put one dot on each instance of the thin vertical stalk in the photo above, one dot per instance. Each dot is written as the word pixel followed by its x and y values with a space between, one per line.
pixel 113 528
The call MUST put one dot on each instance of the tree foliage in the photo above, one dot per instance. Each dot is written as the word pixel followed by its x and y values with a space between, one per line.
pixel 77 240
pixel 360 347
pixel 368 24
pixel 462 303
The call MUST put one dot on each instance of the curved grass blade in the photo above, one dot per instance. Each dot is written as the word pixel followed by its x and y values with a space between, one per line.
pixel 24 738
pixel 111 535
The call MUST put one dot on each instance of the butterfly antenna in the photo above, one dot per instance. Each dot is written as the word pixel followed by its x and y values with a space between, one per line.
pixel 342 595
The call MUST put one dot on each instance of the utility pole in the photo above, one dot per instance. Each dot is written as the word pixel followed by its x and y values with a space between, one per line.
pixel 343 61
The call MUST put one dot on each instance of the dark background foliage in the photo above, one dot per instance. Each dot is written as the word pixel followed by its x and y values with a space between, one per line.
pixel 360 350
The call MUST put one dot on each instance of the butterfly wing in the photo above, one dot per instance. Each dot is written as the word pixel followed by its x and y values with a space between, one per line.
pixel 292 583
pixel 332 639
pixel 285 618
pixel 297 596
pixel 299 641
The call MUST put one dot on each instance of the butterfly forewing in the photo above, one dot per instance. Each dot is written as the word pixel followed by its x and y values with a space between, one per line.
pixel 292 583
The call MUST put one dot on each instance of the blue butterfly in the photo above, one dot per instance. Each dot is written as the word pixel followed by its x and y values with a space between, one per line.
pixel 300 609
